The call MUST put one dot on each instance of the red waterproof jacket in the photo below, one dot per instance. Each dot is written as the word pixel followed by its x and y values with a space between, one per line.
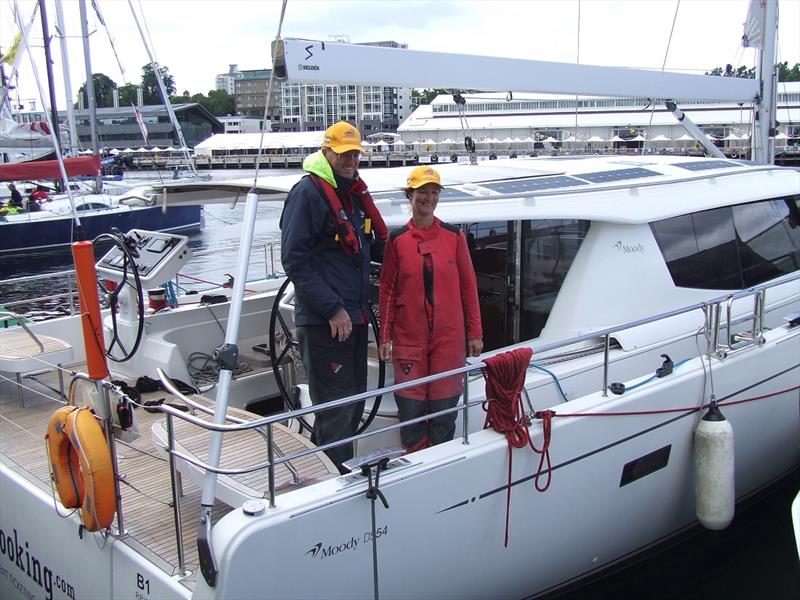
pixel 428 306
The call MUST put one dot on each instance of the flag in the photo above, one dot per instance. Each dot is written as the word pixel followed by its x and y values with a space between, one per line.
pixel 10 56
pixel 140 122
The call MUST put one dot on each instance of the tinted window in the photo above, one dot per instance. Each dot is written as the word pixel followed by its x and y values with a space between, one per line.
pixel 489 248
pixel 732 247
pixel 548 249
pixel 769 240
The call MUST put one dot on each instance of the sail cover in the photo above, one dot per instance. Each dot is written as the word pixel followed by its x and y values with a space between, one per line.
pixel 48 169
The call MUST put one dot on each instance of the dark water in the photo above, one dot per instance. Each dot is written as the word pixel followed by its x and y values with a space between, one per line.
pixel 755 558
pixel 215 246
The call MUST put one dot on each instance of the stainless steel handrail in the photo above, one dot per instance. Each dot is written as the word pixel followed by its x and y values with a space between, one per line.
pixel 712 307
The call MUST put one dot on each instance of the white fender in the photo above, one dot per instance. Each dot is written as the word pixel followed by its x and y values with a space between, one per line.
pixel 715 493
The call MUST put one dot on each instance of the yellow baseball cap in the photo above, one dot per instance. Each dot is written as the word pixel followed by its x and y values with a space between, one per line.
pixel 342 137
pixel 422 175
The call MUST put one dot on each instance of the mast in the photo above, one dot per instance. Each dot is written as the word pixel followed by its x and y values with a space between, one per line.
pixel 98 182
pixel 763 139
pixel 49 66
pixel 73 134
pixel 163 90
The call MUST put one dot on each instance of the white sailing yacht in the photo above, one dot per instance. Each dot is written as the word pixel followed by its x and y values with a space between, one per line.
pixel 651 291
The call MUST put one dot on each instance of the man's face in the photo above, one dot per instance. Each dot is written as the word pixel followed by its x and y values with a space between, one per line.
pixel 344 164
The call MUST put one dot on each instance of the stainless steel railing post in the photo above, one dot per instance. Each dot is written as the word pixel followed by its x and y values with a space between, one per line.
pixel 271 469
pixel 176 505
pixel 465 435
pixel 606 344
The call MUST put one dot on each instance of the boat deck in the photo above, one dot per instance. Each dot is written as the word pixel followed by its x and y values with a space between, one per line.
pixel 144 475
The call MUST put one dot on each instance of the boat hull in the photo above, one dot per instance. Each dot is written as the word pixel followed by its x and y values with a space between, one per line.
pixel 619 483
pixel 58 231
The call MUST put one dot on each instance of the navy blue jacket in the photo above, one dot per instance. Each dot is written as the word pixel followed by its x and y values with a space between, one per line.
pixel 325 278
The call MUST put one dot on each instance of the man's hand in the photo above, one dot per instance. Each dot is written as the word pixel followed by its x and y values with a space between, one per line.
pixel 341 325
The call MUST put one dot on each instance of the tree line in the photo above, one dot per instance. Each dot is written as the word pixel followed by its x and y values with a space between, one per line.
pixel 785 73
pixel 217 102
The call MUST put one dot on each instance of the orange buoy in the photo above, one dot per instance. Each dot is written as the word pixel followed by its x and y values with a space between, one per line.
pixel 83 472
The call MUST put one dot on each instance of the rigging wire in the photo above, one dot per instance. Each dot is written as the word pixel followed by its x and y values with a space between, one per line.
pixel 577 62
pixel 270 88
pixel 663 66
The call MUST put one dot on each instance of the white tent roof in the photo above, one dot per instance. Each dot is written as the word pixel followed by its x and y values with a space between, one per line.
pixel 685 138
pixel 272 140
pixel 595 138
pixel 661 138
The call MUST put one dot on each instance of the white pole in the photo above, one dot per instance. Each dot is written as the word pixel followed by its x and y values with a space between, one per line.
pixel 62 39
pixel 763 141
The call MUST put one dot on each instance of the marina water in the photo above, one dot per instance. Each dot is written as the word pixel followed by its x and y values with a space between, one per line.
pixel 755 558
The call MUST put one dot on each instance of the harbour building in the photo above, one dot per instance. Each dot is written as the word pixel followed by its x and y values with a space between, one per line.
pixel 297 107
pixel 516 121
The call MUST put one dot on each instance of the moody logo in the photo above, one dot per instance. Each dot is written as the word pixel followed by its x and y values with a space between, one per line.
pixel 317 550
pixel 627 249
pixel 310 53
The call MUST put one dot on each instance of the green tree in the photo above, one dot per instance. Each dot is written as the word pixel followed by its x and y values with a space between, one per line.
pixel 426 96
pixel 217 102
pixel 150 92
pixel 785 73
pixel 127 94
pixel 104 88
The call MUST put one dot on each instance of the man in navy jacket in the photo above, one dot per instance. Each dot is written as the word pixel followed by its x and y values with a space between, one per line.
pixel 328 226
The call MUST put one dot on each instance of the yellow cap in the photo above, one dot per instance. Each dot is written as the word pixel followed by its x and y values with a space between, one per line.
pixel 342 137
pixel 422 175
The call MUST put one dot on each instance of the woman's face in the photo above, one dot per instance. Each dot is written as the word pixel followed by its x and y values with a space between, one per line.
pixel 424 200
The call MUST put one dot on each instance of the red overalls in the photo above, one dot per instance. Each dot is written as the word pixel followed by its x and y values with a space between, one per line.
pixel 428 306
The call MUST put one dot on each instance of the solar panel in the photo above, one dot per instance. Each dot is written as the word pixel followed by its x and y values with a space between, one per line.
pixel 617 175
pixel 520 186
pixel 399 195
pixel 706 164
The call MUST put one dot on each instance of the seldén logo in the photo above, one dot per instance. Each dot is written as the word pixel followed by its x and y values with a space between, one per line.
pixel 317 550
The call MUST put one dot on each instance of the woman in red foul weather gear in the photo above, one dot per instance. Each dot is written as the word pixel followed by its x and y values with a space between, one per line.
pixel 429 312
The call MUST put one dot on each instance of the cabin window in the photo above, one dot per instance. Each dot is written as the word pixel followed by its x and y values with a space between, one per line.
pixel 732 247
pixel 548 249
pixel 489 248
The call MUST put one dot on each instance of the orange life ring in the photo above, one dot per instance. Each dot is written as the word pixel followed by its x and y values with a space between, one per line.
pixel 82 469
pixel 63 459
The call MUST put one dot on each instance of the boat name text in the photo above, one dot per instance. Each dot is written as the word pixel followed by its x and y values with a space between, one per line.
pixel 20 555
pixel 322 552
pixel 627 249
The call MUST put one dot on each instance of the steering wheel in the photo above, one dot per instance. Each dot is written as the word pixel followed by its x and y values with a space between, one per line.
pixel 284 348
pixel 129 271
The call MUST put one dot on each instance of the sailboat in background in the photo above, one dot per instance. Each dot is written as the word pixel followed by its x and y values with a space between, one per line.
pixel 50 224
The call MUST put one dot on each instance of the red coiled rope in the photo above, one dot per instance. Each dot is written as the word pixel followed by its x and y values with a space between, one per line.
pixel 505 377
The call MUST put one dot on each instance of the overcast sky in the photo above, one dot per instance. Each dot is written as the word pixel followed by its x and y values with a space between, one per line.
pixel 197 39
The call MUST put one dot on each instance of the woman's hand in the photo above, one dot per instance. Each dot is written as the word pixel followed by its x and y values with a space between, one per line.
pixel 385 351
pixel 475 347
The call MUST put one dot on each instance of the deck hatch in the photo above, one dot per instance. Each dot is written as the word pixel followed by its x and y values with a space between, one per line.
pixel 705 165
pixel 517 186
pixel 645 465
pixel 617 175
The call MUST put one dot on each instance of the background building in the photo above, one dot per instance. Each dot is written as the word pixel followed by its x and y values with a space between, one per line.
pixel 516 121
pixel 314 107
